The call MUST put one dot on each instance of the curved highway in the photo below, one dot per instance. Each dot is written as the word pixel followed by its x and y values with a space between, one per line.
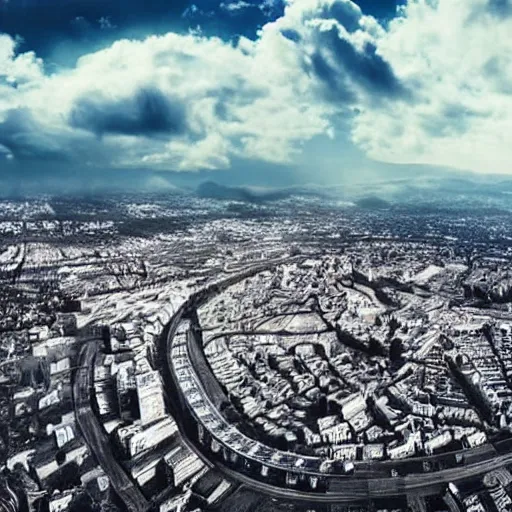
pixel 368 482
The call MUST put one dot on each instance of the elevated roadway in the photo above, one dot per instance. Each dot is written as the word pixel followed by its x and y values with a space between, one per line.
pixel 372 480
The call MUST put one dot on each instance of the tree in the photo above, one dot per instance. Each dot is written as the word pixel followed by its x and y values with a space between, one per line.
pixel 396 349
pixel 375 347
pixel 82 502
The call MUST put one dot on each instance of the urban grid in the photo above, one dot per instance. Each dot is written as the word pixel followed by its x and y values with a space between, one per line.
pixel 177 354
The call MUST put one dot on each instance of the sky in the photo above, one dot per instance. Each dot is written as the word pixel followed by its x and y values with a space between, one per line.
pixel 316 90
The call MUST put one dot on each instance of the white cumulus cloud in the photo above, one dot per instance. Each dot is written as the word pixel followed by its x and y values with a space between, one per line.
pixel 456 58
pixel 433 87
pixel 173 101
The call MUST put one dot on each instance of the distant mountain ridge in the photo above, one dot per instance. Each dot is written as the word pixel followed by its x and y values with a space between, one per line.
pixel 212 190
pixel 372 203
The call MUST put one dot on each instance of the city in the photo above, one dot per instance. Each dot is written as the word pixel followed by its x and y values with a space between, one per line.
pixel 339 366
pixel 255 256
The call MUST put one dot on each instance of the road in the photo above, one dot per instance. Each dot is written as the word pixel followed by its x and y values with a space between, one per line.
pixel 96 436
pixel 351 490
pixel 346 489
pixel 343 489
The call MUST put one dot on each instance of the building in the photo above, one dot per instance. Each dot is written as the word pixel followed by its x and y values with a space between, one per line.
pixel 373 452
pixel 405 449
pixel 60 366
pixel 211 488
pixel 473 503
pixel 38 333
pixel 181 464
pixel 152 436
pixel 437 442
pixel 452 499
pixel 95 482
pixel 64 435
pixel 124 434
pixel 177 503
pixel 126 387
pixel 60 502
pixel 344 452
pixel 49 399
pixel 497 493
pixel 150 395
pixel 353 405
pixel 476 439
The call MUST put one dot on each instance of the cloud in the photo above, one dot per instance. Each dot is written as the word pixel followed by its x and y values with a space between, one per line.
pixel 25 139
pixel 432 87
pixel 308 12
pixel 105 23
pixel 500 7
pixel 456 57
pixel 340 48
pixel 21 136
pixel 235 6
pixel 340 65
pixel 200 101
pixel 17 69
pixel 148 112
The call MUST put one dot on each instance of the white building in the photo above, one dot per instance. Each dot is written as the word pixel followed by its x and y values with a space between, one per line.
pixel 182 464
pixel 152 436
pixel 60 502
pixel 151 399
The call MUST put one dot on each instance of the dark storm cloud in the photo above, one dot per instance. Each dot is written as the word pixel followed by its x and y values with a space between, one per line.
pixel 230 99
pixel 500 7
pixel 39 146
pixel 25 139
pixel 367 67
pixel 291 34
pixel 337 62
pixel 337 86
pixel 148 113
